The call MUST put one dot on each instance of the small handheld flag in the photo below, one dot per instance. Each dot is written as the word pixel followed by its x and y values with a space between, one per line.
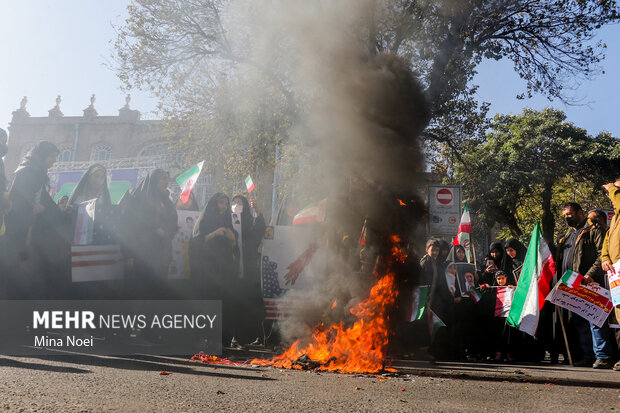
pixel 188 179
pixel 249 184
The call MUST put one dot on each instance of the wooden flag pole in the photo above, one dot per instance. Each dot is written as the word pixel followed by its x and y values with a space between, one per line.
pixel 559 312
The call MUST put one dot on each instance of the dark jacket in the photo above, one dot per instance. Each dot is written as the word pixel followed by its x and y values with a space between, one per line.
pixel 430 269
pixel 587 255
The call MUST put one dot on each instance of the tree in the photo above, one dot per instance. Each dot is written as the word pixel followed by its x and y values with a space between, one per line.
pixel 188 52
pixel 529 164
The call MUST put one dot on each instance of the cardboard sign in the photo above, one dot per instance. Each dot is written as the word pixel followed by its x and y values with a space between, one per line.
pixel 591 301
pixel 613 279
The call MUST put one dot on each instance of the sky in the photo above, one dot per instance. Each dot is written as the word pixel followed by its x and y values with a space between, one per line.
pixel 64 47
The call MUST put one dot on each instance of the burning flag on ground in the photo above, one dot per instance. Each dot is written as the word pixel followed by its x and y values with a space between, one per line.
pixel 249 184
pixel 188 179
pixel 314 212
pixel 529 297
pixel 503 301
pixel 463 237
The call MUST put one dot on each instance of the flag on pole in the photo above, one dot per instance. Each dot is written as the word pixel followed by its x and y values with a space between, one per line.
pixel 463 237
pixel 571 279
pixel 420 297
pixel 503 300
pixel 362 239
pixel 249 184
pixel 534 284
pixel 314 212
pixel 188 179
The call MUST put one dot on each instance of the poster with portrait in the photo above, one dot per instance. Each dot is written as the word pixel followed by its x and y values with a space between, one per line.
pixel 466 276
pixel 179 266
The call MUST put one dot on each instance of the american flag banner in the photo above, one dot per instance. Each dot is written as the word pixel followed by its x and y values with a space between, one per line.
pixel 96 263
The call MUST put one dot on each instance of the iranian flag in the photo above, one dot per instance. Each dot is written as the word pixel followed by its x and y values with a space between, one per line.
pixel 188 179
pixel 503 301
pixel 420 298
pixel 314 212
pixel 536 275
pixel 571 279
pixel 463 237
pixel 249 184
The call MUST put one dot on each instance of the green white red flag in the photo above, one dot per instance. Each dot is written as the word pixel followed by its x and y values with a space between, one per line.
pixel 571 279
pixel 463 237
pixel 503 300
pixel 534 284
pixel 249 184
pixel 314 212
pixel 188 179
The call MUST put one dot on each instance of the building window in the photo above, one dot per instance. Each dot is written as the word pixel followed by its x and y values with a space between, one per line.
pixel 65 154
pixel 101 152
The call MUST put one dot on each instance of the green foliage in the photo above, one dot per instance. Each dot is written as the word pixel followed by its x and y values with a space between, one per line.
pixel 529 165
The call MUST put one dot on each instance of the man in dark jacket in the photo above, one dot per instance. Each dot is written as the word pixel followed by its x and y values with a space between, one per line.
pixel 579 250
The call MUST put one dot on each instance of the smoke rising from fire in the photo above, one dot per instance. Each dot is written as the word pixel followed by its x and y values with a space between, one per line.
pixel 357 117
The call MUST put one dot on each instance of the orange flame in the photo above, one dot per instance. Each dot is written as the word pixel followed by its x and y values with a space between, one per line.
pixel 401 203
pixel 334 304
pixel 359 348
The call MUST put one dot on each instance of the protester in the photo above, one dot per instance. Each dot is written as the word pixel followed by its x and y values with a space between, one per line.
pixel 249 225
pixel 579 250
pixel 445 293
pixel 429 264
pixel 92 185
pixel 444 250
pixel 29 224
pixel 493 262
pixel 214 258
pixel 513 260
pixel 610 253
pixel 190 205
pixel 598 216
pixel 150 222
pixel 457 254
pixel 502 333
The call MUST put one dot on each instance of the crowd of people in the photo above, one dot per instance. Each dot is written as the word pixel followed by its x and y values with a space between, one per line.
pixel 37 235
pixel 467 305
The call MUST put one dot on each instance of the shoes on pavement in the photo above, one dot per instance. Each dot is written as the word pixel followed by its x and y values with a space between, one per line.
pixel 603 364
pixel 235 344
pixel 582 363
pixel 617 366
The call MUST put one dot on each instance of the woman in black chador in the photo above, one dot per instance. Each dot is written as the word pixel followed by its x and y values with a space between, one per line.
pixel 151 222
pixel 93 185
pixel 249 224
pixel 213 257
pixel 31 227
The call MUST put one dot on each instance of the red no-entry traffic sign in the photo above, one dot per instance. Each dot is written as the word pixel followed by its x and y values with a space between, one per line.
pixel 444 196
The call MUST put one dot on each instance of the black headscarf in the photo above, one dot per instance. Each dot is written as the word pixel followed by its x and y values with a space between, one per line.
pixel 36 157
pixel 210 219
pixel 497 246
pixel 452 255
pixel 246 215
pixel 511 264
pixel 84 191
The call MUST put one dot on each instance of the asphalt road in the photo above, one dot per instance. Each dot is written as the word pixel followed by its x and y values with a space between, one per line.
pixel 83 383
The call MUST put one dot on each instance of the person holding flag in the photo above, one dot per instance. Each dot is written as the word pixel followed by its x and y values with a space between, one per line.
pixel 463 236
pixel 579 250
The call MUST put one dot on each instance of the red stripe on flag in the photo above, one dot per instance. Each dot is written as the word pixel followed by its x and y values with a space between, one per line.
pixel 544 282
pixel 93 263
pixel 87 253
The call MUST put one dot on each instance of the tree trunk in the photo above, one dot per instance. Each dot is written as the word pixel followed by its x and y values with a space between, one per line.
pixel 548 220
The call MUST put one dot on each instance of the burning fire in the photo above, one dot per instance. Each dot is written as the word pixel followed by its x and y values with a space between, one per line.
pixel 359 348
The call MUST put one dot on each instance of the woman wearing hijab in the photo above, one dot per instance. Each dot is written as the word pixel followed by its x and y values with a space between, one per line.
pixel 445 294
pixel 457 254
pixel 213 255
pixel 93 185
pixel 249 224
pixel 493 262
pixel 514 258
pixel 151 221
pixel 30 224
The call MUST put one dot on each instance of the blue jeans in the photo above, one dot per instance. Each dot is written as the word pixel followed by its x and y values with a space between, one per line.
pixel 603 342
